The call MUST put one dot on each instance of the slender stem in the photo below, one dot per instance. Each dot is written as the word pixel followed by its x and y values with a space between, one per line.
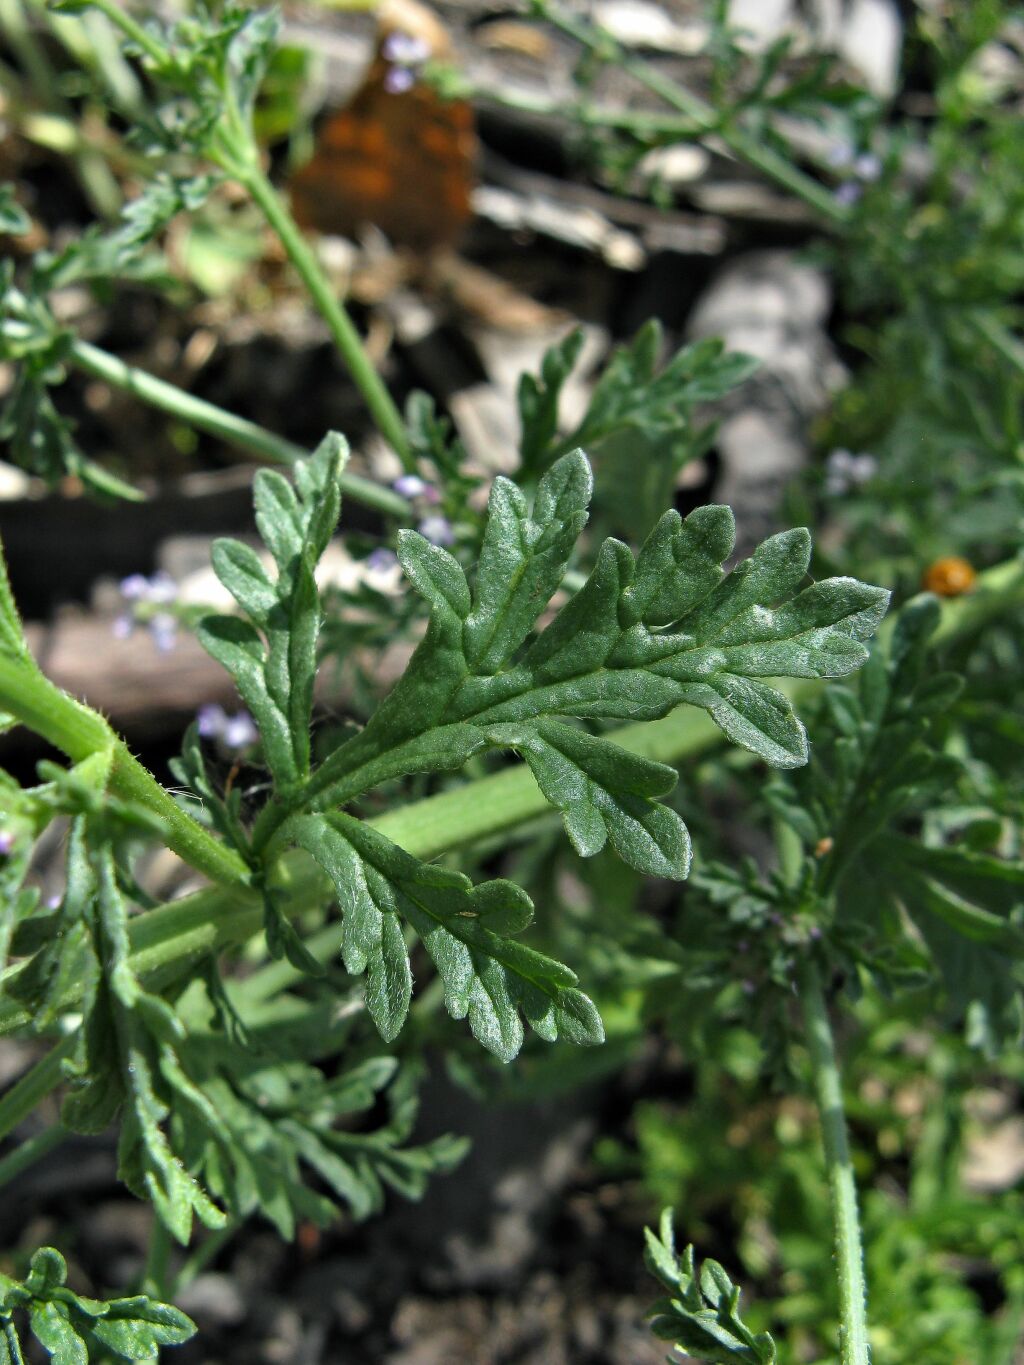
pixel 237 431
pixel 700 113
pixel 30 1151
pixel 18 1102
pixel 133 30
pixel 155 1278
pixel 849 1258
pixel 452 84
pixel 347 339
pixel 209 1247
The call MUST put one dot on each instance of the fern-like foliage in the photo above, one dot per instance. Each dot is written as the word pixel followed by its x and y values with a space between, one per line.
pixel 880 766
pixel 73 1329
pixel 701 1315
pixel 643 635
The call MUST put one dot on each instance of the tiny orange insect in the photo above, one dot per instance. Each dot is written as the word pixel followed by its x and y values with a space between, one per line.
pixel 397 155
pixel 950 576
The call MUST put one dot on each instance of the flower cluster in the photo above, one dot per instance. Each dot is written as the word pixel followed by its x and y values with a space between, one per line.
pixel 145 599
pixel 433 526
pixel 405 55
pixel 861 168
pixel 845 471
pixel 235 732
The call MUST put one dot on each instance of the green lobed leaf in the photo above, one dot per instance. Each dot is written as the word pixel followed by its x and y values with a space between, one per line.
pixel 538 399
pixel 488 978
pixel 272 656
pixel 640 637
pixel 604 794
pixel 73 1329
pixel 634 396
pixel 701 1316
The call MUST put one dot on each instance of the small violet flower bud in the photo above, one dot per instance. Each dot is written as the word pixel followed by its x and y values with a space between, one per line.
pixel 240 731
pixel 410 486
pixel 164 630
pixel 867 166
pixel 210 720
pixel 847 194
pixel 381 561
pixel 6 842
pixel 162 588
pixel 399 79
pixel 122 627
pixel 437 529
pixel 840 154
pixel 405 49
pixel 844 470
pixel 234 732
pixel 158 590
pixel 135 587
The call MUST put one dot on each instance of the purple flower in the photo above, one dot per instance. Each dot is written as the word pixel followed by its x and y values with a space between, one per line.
pixel 405 49
pixel 234 732
pixel 847 194
pixel 53 902
pixel 867 166
pixel 437 529
pixel 210 720
pixel 844 470
pixel 840 154
pixel 159 590
pixel 410 486
pixel 135 587
pixel 398 80
pixel 6 842
pixel 240 731
pixel 381 561
pixel 164 630
pixel 123 626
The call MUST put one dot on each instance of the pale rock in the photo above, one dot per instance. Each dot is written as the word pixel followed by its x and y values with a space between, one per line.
pixel 636 23
pixel 774 306
pixel 760 21
pixel 15 484
pixel 487 416
pixel 678 164
pixel 871 41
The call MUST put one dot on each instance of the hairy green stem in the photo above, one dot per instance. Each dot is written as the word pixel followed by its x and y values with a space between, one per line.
pixel 849 1257
pixel 236 431
pixel 368 381
pixel 80 732
pixel 30 1151
pixel 17 1103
